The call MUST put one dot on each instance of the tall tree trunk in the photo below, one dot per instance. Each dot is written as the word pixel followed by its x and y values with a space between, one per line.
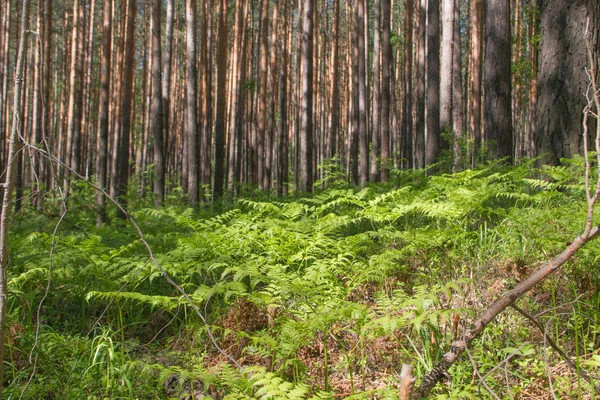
pixel 458 118
pixel 9 183
pixel 37 106
pixel 72 123
pixel 387 88
pixel 207 106
pixel 363 135
pixel 432 139
pixel 166 74
pixel 376 102
pixel 533 87
pixel 233 179
pixel 282 181
pixel 498 129
pixel 476 81
pixel 407 109
pixel 419 142
pixel 220 121
pixel 270 140
pixel 157 108
pixel 446 64
pixel 128 78
pixel 263 89
pixel 191 126
pixel 334 113
pixel 561 80
pixel 4 82
pixel 87 91
pixel 306 108
pixel 102 141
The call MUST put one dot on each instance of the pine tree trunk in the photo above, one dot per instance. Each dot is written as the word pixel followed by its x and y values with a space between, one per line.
pixel 419 142
pixel 306 107
pixel 191 125
pixel 157 107
pixel 263 90
pixel 386 89
pixel 432 138
pixel 498 122
pixel 407 109
pixel 458 118
pixel 102 141
pixel 128 79
pixel 220 121
pixel 9 183
pixel 376 102
pixel 561 80
pixel 476 89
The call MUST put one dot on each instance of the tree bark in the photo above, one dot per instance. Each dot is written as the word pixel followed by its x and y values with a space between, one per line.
pixel 128 78
pixel 476 89
pixel 191 125
pixel 220 122
pixel 432 133
pixel 419 142
pixel 376 102
pixel 446 72
pixel 387 88
pixel 7 185
pixel 102 141
pixel 407 109
pixel 263 90
pixel 497 64
pixel 561 81
pixel 157 107
pixel 363 135
pixel 306 108
pixel 458 116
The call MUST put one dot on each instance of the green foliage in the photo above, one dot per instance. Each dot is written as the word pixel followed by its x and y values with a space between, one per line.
pixel 315 296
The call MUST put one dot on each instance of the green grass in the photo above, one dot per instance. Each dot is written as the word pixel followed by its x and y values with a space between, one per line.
pixel 316 297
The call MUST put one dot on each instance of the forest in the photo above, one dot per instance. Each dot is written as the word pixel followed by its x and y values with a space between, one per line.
pixel 299 199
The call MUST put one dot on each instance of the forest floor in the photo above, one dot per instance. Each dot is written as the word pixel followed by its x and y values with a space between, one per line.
pixel 323 296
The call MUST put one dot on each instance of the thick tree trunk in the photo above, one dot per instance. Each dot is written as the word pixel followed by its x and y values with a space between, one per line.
pixel 407 106
pixel 128 78
pixel 498 126
pixel 8 183
pixel 306 108
pixel 334 113
pixel 446 64
pixel 157 107
pixel 376 102
pixel 220 122
pixel 72 122
pixel 102 141
pixel 363 135
pixel 283 157
pixel 167 57
pixel 561 80
pixel 386 88
pixel 432 133
pixel 419 142
pixel 476 89
pixel 263 90
pixel 191 125
pixel 458 116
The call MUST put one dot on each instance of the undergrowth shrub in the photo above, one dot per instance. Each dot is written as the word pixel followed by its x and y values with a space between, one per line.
pixel 317 296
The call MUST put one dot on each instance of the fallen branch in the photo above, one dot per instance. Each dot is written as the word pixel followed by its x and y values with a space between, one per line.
pixel 589 233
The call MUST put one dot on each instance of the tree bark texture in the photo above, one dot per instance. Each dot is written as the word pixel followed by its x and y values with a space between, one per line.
pixel 8 184
pixel 306 107
pixel 561 80
pixel 497 79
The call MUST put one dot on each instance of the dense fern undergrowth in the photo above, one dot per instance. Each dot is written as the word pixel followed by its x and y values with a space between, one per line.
pixel 319 297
